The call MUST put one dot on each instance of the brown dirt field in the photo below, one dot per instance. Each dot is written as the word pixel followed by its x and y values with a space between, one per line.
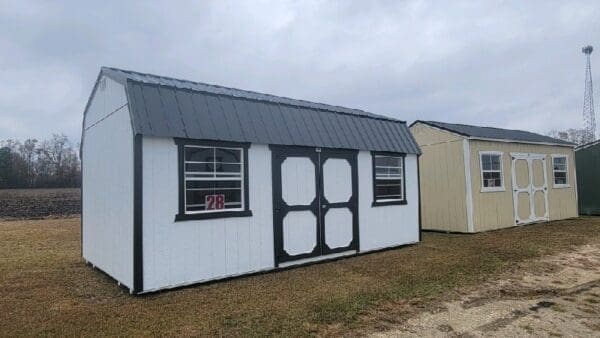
pixel 46 289
pixel 39 203
pixel 556 295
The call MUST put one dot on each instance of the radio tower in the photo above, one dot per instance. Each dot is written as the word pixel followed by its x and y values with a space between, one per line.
pixel 589 119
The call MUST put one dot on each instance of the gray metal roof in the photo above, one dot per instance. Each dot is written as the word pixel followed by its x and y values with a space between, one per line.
pixel 167 107
pixel 495 133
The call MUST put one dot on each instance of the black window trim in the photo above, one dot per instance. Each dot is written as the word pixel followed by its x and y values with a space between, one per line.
pixel 403 201
pixel 181 215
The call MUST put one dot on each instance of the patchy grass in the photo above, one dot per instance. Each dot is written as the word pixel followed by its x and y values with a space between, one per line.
pixel 46 289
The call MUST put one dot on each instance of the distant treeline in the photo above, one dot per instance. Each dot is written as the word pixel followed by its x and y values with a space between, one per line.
pixel 52 163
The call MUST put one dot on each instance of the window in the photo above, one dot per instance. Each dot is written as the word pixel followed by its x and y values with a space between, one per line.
pixel 388 179
pixel 213 180
pixel 560 171
pixel 491 171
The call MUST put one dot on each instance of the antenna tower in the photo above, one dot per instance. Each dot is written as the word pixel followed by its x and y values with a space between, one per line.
pixel 589 119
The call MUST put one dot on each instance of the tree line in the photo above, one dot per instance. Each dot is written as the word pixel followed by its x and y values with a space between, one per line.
pixel 51 163
pixel 577 136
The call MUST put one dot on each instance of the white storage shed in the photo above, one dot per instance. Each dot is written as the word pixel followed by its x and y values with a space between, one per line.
pixel 185 182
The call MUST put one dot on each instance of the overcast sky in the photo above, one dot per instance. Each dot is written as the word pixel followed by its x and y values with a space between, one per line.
pixel 506 64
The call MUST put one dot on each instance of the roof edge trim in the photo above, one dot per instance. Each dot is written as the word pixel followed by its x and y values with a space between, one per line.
pixel 474 138
pixel 478 138
pixel 587 145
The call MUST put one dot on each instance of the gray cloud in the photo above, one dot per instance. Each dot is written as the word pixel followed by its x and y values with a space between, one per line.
pixel 504 64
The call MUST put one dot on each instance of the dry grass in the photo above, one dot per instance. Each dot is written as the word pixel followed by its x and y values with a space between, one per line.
pixel 45 288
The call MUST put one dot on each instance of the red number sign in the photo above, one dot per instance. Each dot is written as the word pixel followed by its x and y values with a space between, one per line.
pixel 215 202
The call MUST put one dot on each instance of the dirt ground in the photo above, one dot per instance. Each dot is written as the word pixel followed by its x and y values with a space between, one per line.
pixel 556 295
pixel 16 204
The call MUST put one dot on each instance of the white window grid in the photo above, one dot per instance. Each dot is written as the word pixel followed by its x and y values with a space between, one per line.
pixel 500 171
pixel 565 171
pixel 389 175
pixel 216 176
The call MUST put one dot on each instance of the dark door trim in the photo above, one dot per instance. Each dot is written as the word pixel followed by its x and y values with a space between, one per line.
pixel 280 208
pixel 351 204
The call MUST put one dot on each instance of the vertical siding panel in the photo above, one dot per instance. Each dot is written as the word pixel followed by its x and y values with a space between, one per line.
pixel 220 240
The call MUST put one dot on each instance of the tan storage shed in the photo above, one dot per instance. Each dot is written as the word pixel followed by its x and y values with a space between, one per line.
pixel 476 179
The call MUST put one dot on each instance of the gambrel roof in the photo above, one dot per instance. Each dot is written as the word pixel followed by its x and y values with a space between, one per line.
pixel 491 133
pixel 167 107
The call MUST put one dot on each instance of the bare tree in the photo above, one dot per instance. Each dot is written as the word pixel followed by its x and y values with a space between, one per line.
pixel 28 153
pixel 50 163
pixel 576 136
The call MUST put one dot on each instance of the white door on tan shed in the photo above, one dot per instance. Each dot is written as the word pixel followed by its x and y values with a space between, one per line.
pixel 530 187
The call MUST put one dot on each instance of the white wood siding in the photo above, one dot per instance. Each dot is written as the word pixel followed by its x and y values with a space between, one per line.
pixel 110 96
pixel 179 253
pixel 385 226
pixel 107 195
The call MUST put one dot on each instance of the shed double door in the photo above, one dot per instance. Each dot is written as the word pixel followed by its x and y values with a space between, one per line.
pixel 530 187
pixel 315 203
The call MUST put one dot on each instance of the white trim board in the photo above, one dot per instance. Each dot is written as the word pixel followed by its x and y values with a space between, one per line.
pixel 520 142
pixel 468 185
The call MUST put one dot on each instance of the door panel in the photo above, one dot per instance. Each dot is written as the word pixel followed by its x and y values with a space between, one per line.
pixel 524 203
pixel 530 187
pixel 295 203
pixel 338 229
pixel 522 173
pixel 339 200
pixel 299 232
pixel 298 181
pixel 337 180
pixel 315 202
pixel 537 171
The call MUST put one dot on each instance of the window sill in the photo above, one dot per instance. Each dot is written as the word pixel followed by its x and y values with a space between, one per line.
pixel 561 186
pixel 212 215
pixel 379 204
pixel 493 189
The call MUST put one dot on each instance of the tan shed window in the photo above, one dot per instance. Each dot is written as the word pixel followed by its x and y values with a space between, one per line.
pixel 491 171
pixel 560 171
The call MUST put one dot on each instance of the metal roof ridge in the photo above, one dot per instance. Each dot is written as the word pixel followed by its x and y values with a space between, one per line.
pixel 308 104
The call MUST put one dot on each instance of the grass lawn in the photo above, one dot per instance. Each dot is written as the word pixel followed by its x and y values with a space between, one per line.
pixel 46 289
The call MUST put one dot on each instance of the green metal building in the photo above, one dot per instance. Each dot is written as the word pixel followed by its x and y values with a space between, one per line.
pixel 587 158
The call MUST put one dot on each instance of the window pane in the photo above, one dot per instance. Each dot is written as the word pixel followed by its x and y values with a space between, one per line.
pixel 197 199
pixel 388 189
pixel 486 162
pixel 228 155
pixel 560 177
pixel 560 163
pixel 495 160
pixel 199 167
pixel 388 161
pixel 226 167
pixel 388 172
pixel 213 184
pixel 213 178
pixel 199 154
pixel 492 179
